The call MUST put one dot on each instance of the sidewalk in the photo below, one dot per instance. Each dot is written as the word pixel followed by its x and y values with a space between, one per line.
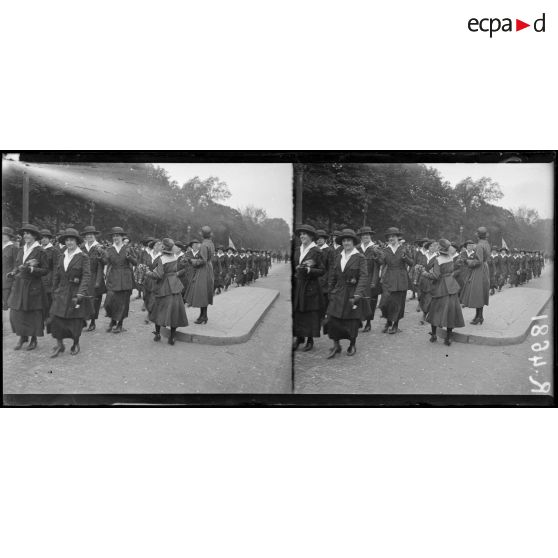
pixel 508 317
pixel 232 319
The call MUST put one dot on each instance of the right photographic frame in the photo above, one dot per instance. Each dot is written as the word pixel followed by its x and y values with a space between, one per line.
pixel 424 277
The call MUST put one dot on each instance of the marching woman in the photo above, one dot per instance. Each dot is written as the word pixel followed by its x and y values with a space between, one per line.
pixel 444 310
pixel 371 253
pixel 426 260
pixel 475 293
pixel 96 287
pixel 9 255
pixel 51 255
pixel 200 291
pixel 148 281
pixel 168 310
pixel 461 270
pixel 395 280
pixel 70 287
pixel 119 280
pixel 308 300
pixel 27 300
pixel 348 285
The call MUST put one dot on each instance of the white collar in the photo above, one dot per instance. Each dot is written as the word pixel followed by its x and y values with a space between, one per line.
pixel 27 251
pixel 470 253
pixel 394 249
pixel 365 246
pixel 430 256
pixel 67 257
pixel 49 245
pixel 167 258
pixel 323 246
pixel 345 258
pixel 304 251
pixel 196 252
pixel 89 246
pixel 117 248
pixel 9 243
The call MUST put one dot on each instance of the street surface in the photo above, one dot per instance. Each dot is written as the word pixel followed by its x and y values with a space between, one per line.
pixel 407 363
pixel 132 362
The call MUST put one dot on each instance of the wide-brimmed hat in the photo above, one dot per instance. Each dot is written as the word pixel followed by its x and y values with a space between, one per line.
pixel 320 233
pixel 30 228
pixel 366 230
pixel 9 232
pixel 336 233
pixel 72 233
pixel 444 244
pixel 194 240
pixel 231 248
pixel 393 231
pixel 180 244
pixel 90 229
pixel 47 233
pixel 348 233
pixel 422 240
pixel 117 230
pixel 309 229
pixel 168 245
pixel 469 242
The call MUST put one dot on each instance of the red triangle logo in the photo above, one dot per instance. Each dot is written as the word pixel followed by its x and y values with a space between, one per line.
pixel 519 25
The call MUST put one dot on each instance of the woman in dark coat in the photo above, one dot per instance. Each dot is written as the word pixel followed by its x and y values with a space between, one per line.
pixel 168 310
pixel 475 293
pixel 200 291
pixel 70 307
pixel 371 254
pixel 149 283
pixel 308 300
pixel 96 288
pixel 348 284
pixel 119 280
pixel 27 301
pixel 394 280
pixel 444 309
pixel 426 260
pixel 9 256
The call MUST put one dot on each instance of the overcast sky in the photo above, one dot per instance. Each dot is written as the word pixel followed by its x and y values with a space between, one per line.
pixel 529 184
pixel 265 185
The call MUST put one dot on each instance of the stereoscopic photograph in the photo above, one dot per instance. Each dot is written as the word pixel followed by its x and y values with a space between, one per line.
pixel 424 278
pixel 145 277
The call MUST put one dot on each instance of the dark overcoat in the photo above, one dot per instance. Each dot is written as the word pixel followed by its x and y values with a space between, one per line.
pixel 345 284
pixel 475 292
pixel 27 290
pixel 9 256
pixel 50 257
pixel 200 290
pixel 97 280
pixel 308 295
pixel 395 276
pixel 67 284
pixel 119 269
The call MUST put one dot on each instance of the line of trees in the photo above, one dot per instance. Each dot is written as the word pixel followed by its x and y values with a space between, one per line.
pixel 415 198
pixel 141 198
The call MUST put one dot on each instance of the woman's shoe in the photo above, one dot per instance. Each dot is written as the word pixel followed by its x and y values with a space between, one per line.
pixel 171 341
pixel 157 336
pixel 33 344
pixel 433 338
pixel 351 350
pixel 392 329
pixel 309 346
pixel 74 349
pixel 447 340
pixel 474 321
pixel 117 329
pixel 91 327
pixel 386 328
pixel 201 320
pixel 367 328
pixel 20 343
pixel 334 350
pixel 57 350
pixel 109 328
pixel 481 320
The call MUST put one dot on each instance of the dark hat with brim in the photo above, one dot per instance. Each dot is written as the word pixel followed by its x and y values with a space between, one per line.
pixel 46 233
pixel 366 230
pixel 168 245
pixel 90 229
pixel 348 233
pixel 308 229
pixel 181 244
pixel 194 240
pixel 468 242
pixel 70 233
pixel 336 233
pixel 422 240
pixel 482 232
pixel 393 231
pixel 30 228
pixel 320 233
pixel 9 232
pixel 444 244
pixel 117 230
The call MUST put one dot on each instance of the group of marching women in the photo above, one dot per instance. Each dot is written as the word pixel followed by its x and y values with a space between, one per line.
pixel 58 281
pixel 337 286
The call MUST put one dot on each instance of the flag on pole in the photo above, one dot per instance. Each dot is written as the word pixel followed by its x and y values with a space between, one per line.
pixel 504 245
pixel 231 244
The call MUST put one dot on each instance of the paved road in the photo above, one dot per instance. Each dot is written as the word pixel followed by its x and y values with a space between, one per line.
pixel 407 363
pixel 133 363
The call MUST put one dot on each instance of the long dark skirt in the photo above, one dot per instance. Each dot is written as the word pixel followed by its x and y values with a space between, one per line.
pixel 445 311
pixel 338 328
pixel 48 298
pixel 94 307
pixel 149 300
pixel 368 307
pixel 27 323
pixel 169 311
pixel 117 304
pixel 66 328
pixel 392 305
pixel 307 324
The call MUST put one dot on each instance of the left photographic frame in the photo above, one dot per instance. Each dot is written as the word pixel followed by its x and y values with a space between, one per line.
pixel 146 277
